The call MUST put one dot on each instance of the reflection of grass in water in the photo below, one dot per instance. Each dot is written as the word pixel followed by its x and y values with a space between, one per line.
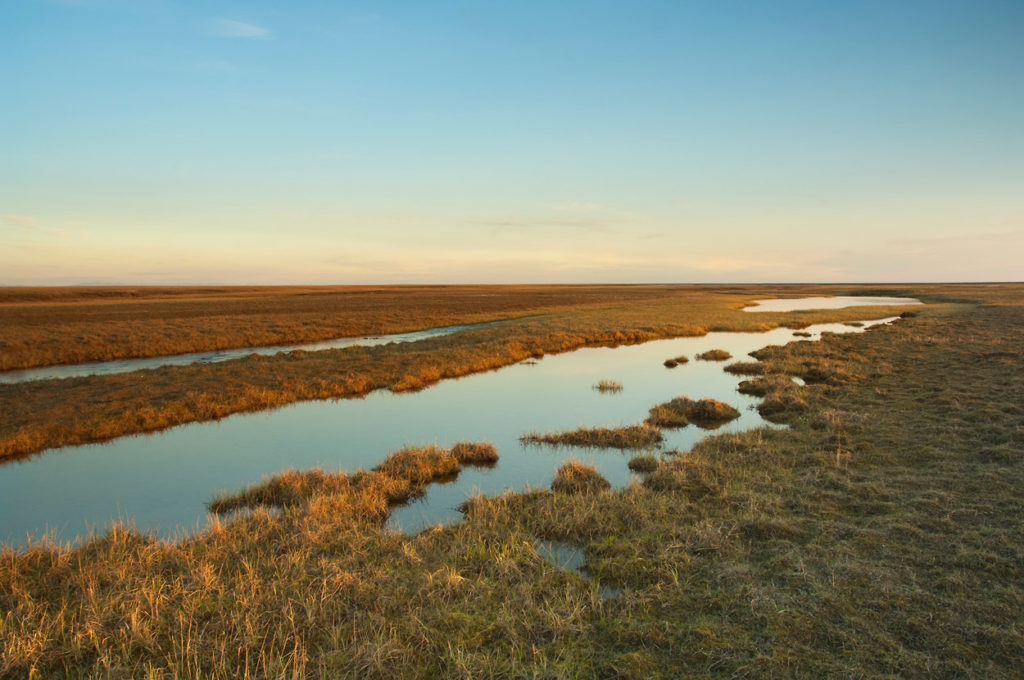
pixel 889 499
pixel 681 411
pixel 608 387
pixel 97 408
pixel 627 437
pixel 714 355
pixel 745 368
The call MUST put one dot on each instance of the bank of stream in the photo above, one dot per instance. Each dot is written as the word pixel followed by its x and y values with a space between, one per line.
pixel 161 482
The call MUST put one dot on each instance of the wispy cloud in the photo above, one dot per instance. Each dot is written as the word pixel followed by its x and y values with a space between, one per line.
pixel 578 207
pixel 603 226
pixel 231 28
pixel 23 221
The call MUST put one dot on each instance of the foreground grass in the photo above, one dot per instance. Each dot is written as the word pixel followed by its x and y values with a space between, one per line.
pixel 51 413
pixel 881 535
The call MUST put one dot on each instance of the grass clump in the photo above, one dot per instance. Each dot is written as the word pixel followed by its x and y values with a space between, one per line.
pixel 745 368
pixel 608 387
pixel 683 475
pixel 643 464
pixel 576 478
pixel 802 334
pixel 475 453
pixel 420 465
pixel 681 411
pixel 627 437
pixel 714 355
pixel 676 361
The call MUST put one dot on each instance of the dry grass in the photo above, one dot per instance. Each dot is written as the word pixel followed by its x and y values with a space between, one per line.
pixel 676 361
pixel 682 411
pixel 627 437
pixel 745 368
pixel 714 355
pixel 879 536
pixel 608 387
pixel 55 413
pixel 573 477
pixel 643 464
pixel 475 453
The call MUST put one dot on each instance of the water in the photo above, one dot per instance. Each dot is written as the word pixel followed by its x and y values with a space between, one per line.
pixel 128 365
pixel 162 481
pixel 800 304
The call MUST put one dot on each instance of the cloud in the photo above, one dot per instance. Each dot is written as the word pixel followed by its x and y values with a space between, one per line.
pixel 230 28
pixel 22 221
pixel 603 226
pixel 574 206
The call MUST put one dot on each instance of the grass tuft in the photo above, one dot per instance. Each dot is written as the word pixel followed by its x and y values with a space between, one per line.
pixel 475 453
pixel 745 368
pixel 681 411
pixel 714 355
pixel 676 361
pixel 608 387
pixel 643 464
pixel 576 478
pixel 628 437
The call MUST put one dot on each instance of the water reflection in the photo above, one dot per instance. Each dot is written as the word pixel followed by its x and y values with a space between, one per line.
pixel 837 302
pixel 162 481
pixel 215 356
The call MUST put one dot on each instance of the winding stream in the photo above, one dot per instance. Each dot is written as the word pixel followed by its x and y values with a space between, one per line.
pixel 162 481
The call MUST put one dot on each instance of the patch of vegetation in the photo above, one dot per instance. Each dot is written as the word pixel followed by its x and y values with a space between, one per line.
pixel 475 453
pixel 714 355
pixel 682 410
pixel 574 477
pixel 821 550
pixel 745 368
pixel 627 437
pixel 803 334
pixel 608 387
pixel 676 361
pixel 643 464
pixel 43 326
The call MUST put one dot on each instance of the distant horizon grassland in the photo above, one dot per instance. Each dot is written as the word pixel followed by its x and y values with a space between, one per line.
pixel 42 326
pixel 879 535
pixel 51 413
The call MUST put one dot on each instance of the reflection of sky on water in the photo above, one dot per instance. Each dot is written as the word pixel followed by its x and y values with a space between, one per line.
pixel 162 481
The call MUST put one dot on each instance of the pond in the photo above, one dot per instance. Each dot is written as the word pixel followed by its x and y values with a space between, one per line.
pixel 837 302
pixel 162 481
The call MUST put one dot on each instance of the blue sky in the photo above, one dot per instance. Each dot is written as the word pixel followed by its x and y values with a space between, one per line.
pixel 152 141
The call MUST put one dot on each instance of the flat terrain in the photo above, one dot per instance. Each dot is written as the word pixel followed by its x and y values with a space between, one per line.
pixel 45 326
pixel 544 319
pixel 881 535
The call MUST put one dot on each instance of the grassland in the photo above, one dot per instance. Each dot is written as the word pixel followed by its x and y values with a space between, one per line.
pixel 881 535
pixel 46 414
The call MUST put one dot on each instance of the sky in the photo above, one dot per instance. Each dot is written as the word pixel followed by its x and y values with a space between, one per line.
pixel 276 142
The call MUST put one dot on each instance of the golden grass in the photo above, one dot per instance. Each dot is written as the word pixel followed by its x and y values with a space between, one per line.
pixel 681 411
pixel 675 361
pixel 608 387
pixel 878 536
pixel 574 477
pixel 714 355
pixel 55 413
pixel 627 437
pixel 745 368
